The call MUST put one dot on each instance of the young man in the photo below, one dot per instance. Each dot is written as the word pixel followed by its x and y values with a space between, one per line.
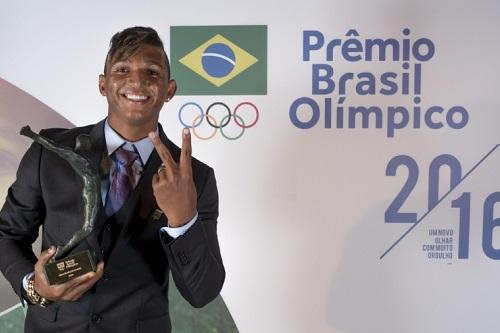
pixel 166 223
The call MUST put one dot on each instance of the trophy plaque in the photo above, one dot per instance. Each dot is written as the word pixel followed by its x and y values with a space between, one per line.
pixel 65 269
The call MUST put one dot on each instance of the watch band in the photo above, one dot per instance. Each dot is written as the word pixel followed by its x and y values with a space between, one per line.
pixel 33 297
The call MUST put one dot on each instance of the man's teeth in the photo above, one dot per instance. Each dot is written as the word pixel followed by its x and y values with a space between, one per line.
pixel 136 97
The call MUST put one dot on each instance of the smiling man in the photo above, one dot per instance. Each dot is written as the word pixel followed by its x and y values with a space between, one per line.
pixel 158 214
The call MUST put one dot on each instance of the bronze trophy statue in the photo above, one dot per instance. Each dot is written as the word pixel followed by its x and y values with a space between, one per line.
pixel 61 267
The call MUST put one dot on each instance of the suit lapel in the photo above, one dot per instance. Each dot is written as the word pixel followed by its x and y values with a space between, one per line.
pixel 98 157
pixel 98 147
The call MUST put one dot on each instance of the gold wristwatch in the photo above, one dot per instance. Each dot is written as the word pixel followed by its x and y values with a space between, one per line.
pixel 33 297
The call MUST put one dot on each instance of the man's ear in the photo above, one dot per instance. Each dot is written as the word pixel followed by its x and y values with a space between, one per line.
pixel 171 89
pixel 102 81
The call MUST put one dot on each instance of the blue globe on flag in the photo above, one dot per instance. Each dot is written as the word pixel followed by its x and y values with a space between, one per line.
pixel 218 60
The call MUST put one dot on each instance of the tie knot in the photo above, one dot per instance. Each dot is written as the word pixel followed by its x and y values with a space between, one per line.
pixel 125 157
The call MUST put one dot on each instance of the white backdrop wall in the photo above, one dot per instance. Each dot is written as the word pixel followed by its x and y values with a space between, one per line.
pixel 302 225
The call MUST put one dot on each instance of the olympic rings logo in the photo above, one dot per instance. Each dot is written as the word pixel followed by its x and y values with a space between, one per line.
pixel 231 115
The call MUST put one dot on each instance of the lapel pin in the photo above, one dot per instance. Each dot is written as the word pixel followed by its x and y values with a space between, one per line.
pixel 157 214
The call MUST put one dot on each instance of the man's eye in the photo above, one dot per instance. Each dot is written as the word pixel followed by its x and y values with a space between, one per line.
pixel 122 70
pixel 153 72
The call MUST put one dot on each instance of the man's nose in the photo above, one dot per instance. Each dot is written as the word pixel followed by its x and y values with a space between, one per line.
pixel 137 78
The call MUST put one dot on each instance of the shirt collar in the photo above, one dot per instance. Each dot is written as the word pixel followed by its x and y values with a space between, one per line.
pixel 143 147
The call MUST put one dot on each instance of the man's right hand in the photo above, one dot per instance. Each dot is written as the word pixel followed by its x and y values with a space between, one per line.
pixel 69 291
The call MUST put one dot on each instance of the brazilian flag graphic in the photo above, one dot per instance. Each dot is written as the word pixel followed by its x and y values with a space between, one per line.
pixel 219 60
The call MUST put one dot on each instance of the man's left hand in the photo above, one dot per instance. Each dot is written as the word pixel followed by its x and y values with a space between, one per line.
pixel 173 185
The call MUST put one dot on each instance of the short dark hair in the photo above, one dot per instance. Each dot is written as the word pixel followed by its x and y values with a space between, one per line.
pixel 125 43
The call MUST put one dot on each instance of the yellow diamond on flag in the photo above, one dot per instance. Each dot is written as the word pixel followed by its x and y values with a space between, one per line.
pixel 218 60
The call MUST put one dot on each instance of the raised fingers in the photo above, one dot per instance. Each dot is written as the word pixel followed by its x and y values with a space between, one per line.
pixel 162 151
pixel 185 159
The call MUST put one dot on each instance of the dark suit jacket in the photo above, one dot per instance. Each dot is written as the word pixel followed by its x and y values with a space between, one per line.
pixel 132 295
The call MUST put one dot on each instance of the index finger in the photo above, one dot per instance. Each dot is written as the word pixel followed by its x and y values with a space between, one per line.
pixel 185 159
pixel 162 151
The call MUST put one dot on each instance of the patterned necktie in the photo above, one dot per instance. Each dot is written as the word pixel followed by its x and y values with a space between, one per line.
pixel 122 180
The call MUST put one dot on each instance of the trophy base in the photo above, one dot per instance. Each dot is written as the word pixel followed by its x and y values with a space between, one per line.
pixel 68 268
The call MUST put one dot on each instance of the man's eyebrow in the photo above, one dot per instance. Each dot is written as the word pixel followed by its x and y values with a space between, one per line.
pixel 118 62
pixel 147 62
pixel 154 62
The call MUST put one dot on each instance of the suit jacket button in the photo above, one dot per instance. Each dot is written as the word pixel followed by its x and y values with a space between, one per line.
pixel 108 227
pixel 96 318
